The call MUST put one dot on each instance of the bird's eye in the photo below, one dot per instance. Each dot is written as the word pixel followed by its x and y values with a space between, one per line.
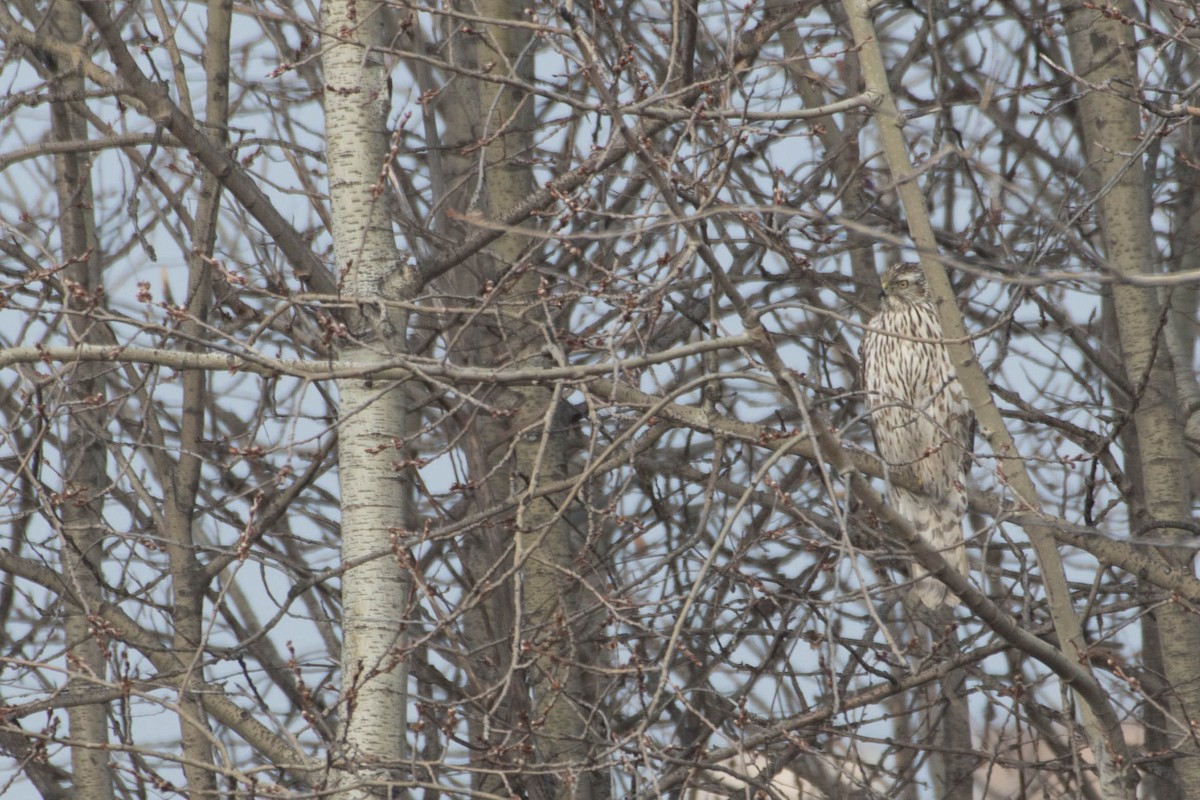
pixel 902 284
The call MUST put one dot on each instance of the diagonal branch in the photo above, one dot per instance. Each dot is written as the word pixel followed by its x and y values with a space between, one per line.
pixel 156 104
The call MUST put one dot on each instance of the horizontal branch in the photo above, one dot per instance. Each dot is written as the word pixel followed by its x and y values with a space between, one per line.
pixel 673 113
pixel 397 368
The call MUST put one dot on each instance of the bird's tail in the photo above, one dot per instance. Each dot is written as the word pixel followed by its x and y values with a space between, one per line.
pixel 940 524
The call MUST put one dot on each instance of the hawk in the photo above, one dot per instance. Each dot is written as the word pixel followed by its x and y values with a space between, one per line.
pixel 922 422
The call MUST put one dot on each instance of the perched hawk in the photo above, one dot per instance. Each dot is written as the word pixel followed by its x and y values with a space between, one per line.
pixel 923 425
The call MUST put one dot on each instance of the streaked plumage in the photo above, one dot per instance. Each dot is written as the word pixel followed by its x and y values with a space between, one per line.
pixel 921 419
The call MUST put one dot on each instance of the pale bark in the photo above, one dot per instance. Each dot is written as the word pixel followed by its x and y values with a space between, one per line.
pixel 1103 53
pixel 374 506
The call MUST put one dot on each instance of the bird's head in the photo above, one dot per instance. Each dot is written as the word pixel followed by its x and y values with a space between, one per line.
pixel 903 285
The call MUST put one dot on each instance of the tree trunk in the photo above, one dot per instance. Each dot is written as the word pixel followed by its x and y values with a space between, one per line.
pixel 182 485
pixel 372 414
pixel 1103 53
pixel 952 762
pixel 85 478
pixel 546 701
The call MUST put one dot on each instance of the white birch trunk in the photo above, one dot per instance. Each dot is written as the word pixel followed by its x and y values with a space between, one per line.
pixel 372 414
